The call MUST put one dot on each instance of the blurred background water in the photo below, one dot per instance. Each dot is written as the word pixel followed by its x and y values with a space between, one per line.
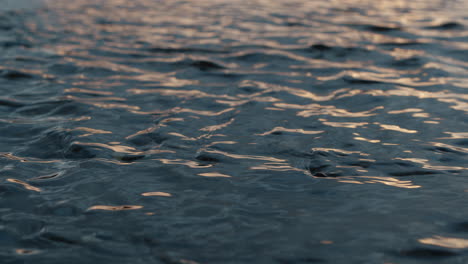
pixel 185 132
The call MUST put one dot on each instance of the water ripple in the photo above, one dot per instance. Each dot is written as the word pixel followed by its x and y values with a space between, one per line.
pixel 233 132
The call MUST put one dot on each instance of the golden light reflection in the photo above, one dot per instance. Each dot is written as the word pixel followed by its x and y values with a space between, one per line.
pixel 421 115
pixel 252 157
pixel 454 148
pixel 232 103
pixel 407 110
pixel 274 109
pixel 185 110
pixel 25 185
pixel 217 127
pixel 116 148
pixel 427 165
pixel 81 99
pixel 316 109
pixel 397 128
pixel 442 96
pixel 142 132
pixel 183 137
pixel 97 102
pixel 204 113
pixel 347 152
pixel 273 166
pixel 431 122
pixel 23 159
pixel 291 130
pixel 91 131
pixel 112 105
pixel 24 251
pixel 123 149
pixel 220 142
pixel 115 208
pixel 294 91
pixel 161 79
pixel 45 119
pixel 447 242
pixel 415 160
pixel 456 135
pixel 113 161
pixel 163 194
pixel 367 140
pixel 214 174
pixel 188 163
pixel 204 136
pixel 443 168
pixel 343 124
pixel 390 181
pixel 180 93
pixel 87 91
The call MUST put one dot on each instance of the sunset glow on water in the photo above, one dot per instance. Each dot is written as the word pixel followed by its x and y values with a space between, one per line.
pixel 206 132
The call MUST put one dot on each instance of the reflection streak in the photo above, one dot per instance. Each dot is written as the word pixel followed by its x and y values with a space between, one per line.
pixel 390 181
pixel 25 185
pixel 447 242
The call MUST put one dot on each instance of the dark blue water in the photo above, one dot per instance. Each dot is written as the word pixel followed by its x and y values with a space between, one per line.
pixel 205 132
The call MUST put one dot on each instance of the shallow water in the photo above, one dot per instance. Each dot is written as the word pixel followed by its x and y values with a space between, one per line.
pixel 234 132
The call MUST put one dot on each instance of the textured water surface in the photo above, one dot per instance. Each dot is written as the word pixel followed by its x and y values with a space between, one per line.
pixel 200 132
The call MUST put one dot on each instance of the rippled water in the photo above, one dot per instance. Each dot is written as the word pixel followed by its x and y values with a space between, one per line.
pixel 233 131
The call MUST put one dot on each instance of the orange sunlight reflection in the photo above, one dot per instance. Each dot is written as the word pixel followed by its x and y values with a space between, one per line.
pixel 115 208
pixel 290 130
pixel 214 174
pixel 25 185
pixel 390 181
pixel 447 242
pixel 163 194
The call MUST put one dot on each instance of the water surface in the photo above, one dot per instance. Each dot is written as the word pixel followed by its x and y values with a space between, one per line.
pixel 234 132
